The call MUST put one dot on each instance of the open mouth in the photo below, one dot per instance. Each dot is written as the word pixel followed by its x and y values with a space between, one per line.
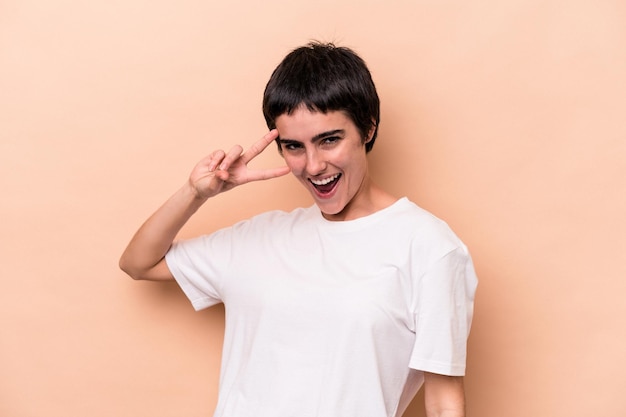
pixel 326 185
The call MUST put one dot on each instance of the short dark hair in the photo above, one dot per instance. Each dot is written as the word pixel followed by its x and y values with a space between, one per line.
pixel 324 77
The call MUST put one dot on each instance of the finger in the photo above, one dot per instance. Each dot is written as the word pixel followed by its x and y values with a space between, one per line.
pixel 266 174
pixel 230 157
pixel 259 146
pixel 214 159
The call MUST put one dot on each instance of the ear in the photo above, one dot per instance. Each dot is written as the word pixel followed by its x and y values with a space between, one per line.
pixel 370 134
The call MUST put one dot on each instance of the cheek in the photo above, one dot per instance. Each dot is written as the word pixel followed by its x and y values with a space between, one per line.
pixel 295 164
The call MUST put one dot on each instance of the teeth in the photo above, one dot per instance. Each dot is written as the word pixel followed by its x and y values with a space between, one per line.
pixel 326 180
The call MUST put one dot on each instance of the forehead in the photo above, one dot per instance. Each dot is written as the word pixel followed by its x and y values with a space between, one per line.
pixel 304 124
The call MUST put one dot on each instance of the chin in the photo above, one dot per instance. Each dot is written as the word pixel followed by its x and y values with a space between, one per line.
pixel 330 209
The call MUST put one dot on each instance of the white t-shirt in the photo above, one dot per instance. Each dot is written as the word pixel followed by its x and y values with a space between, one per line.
pixel 324 319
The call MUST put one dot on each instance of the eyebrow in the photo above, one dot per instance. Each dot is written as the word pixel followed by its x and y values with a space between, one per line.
pixel 316 137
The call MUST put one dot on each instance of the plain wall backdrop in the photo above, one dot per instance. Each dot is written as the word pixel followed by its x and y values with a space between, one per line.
pixel 506 119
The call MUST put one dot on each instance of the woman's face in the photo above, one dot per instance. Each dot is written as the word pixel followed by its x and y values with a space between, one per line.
pixel 326 153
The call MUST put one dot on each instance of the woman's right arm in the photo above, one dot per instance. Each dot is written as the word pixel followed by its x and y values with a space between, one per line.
pixel 144 257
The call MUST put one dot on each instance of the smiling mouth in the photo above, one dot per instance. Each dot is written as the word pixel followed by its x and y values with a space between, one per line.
pixel 326 185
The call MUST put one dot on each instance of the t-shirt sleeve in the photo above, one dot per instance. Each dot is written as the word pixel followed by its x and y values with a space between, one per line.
pixel 443 309
pixel 199 265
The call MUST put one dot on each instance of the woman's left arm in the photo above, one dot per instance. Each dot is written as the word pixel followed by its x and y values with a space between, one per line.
pixel 444 396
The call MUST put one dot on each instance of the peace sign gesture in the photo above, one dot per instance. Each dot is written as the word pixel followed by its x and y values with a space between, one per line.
pixel 221 171
pixel 144 257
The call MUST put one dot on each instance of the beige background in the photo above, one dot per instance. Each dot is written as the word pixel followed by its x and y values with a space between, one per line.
pixel 505 118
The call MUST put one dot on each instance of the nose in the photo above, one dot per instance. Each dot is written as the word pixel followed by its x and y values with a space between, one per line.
pixel 315 163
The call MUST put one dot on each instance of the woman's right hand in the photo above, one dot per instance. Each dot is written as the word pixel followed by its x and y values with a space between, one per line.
pixel 221 171
pixel 144 257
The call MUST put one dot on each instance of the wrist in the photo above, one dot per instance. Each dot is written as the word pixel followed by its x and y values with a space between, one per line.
pixel 189 197
pixel 192 194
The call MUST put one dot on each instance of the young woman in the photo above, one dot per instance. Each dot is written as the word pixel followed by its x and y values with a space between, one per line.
pixel 341 309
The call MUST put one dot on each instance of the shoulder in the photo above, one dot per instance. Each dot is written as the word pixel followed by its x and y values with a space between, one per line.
pixel 272 222
pixel 277 218
pixel 427 233
pixel 263 230
pixel 422 223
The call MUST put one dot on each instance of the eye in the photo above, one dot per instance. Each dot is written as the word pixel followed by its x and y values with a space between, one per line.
pixel 291 146
pixel 330 140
